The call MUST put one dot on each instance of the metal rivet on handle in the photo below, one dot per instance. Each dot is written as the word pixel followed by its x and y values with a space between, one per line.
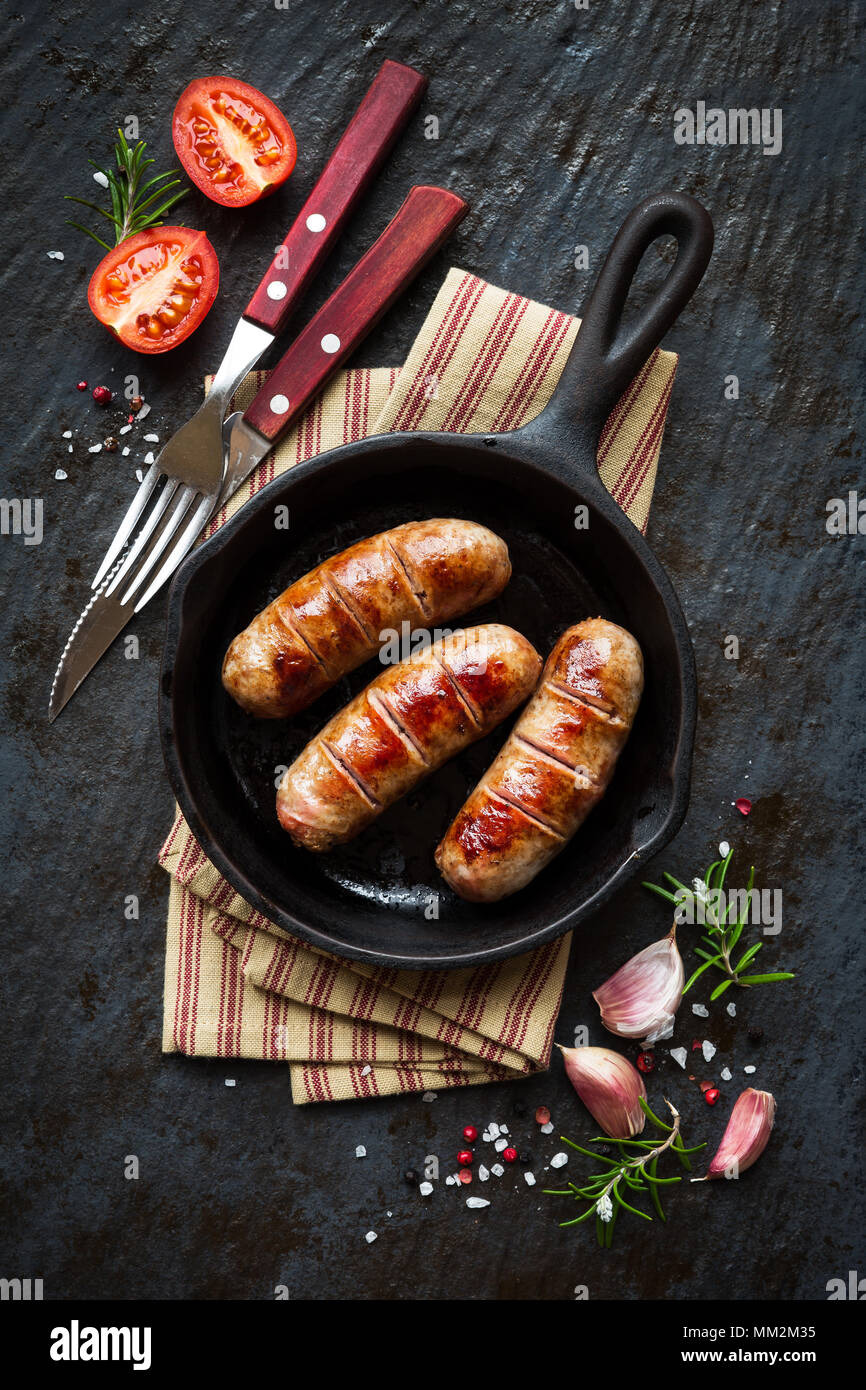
pixel 277 290
pixel 316 222
pixel 330 343
pixel 279 404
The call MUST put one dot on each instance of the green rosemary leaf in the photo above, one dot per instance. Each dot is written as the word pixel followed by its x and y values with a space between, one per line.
pixel 87 232
pixel 711 960
pixel 655 1198
pixel 704 955
pixel 590 1153
pixel 720 989
pixel 748 956
pixel 624 1203
pixel 766 979
pixel 662 892
pixel 577 1219
pixel 675 881
pixel 651 1116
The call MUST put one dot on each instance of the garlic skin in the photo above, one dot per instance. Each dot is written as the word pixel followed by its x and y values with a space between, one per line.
pixel 642 997
pixel 610 1088
pixel 746 1136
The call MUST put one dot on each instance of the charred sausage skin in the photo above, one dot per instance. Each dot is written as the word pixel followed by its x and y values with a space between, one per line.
pixel 329 621
pixel 404 725
pixel 552 770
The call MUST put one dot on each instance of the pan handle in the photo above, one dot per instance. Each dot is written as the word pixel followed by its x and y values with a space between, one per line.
pixel 607 354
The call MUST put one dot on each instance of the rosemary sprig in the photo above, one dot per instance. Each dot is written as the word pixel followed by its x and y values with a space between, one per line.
pixel 131 211
pixel 631 1172
pixel 723 932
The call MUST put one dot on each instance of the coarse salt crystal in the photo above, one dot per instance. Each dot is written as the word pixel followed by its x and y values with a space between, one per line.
pixel 360 1151
pixel 483 1173
pixel 529 1179
pixel 732 1009
pixel 60 475
pixel 145 410
pixel 55 255
pixel 67 434
pixel 370 1237
pixel 500 1145
pixel 230 1081
pixel 726 1073
pixel 559 1160
pixel 425 1188
pixel 450 1181
pixel 503 1129
pixel 708 1050
pixel 100 178
pixel 493 1130
pixel 429 1095
pixel 124 429
pixel 365 1071
pixel 476 1203
pixel 139 476
pixel 152 438
pixel 95 449
pixel 148 458
pixel 124 453
pixel 497 1170
pixel 679 1054
pixel 701 1010
pixel 487 1136
pixel 749 1070
pixel 69 448
pixel 548 1128
pixel 724 849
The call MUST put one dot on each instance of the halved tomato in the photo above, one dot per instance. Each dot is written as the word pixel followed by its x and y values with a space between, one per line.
pixel 232 141
pixel 155 288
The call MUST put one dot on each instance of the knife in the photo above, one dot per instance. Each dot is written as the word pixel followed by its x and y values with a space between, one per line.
pixel 426 219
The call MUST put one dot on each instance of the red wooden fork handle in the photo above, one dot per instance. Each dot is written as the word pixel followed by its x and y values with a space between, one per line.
pixel 426 219
pixel 372 131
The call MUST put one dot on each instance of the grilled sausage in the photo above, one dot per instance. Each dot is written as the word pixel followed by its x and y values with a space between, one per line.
pixel 554 767
pixel 409 721
pixel 329 622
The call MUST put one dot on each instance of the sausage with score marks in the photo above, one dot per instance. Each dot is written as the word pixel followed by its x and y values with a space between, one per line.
pixel 408 722
pixel 554 767
pixel 330 621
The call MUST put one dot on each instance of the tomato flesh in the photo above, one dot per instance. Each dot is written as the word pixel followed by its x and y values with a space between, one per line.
pixel 155 288
pixel 234 144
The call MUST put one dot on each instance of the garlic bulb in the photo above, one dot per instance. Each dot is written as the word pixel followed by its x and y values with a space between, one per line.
pixel 610 1088
pixel 746 1136
pixel 641 999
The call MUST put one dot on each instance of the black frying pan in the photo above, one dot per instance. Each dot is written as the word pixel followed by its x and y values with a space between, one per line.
pixel 371 900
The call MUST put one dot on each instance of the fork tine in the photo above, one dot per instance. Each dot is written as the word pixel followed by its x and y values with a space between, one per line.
pixel 154 517
pixel 191 531
pixel 124 530
pixel 174 520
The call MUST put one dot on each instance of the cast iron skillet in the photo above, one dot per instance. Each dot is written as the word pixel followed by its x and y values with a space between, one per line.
pixel 374 899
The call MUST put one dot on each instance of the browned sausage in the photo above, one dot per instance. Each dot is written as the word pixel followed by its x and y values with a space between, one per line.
pixel 329 622
pixel 407 722
pixel 554 767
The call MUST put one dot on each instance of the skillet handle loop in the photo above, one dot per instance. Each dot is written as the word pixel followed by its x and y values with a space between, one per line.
pixel 607 355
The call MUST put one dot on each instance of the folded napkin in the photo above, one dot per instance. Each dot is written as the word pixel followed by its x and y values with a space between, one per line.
pixel 236 984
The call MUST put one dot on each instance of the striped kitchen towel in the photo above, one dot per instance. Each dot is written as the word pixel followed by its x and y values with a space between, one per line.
pixel 236 985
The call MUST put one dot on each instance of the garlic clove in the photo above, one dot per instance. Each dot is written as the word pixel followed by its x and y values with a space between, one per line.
pixel 746 1136
pixel 610 1088
pixel 641 999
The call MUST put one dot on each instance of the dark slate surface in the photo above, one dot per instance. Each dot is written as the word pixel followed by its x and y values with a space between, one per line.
pixel 553 122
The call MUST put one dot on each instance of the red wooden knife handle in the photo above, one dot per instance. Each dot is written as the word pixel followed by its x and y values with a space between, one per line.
pixel 426 219
pixel 383 113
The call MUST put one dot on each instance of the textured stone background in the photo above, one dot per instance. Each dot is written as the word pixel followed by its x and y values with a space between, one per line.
pixel 552 122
